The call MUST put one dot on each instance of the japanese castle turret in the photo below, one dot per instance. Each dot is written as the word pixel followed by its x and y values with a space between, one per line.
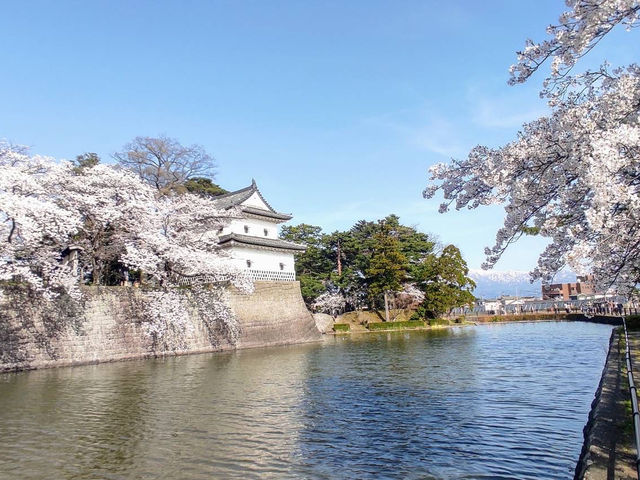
pixel 253 239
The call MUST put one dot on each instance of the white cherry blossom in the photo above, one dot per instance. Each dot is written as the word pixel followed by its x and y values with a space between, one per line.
pixel 574 176
pixel 109 212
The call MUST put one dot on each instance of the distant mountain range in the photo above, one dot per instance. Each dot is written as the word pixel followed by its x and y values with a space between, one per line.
pixel 494 283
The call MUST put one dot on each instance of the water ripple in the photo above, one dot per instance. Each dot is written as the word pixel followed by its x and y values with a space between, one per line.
pixel 492 402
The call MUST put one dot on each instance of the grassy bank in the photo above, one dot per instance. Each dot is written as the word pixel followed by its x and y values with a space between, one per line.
pixel 367 321
pixel 373 321
pixel 411 324
pixel 520 318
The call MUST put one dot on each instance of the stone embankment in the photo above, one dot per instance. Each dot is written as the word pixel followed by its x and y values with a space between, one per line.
pixel 111 328
pixel 324 322
pixel 608 451
pixel 274 314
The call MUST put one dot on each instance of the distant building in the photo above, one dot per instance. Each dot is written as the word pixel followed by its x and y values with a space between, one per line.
pixel 253 239
pixel 569 291
pixel 493 307
pixel 504 304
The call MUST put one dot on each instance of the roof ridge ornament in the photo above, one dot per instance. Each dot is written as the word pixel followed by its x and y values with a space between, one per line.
pixel 235 199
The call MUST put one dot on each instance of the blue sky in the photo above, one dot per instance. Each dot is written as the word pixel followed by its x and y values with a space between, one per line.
pixel 337 109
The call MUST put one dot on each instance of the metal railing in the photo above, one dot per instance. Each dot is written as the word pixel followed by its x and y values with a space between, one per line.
pixel 634 397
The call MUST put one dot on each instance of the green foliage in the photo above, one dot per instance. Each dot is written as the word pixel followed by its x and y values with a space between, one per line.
pixel 85 161
pixel 421 313
pixel 527 230
pixel 316 259
pixel 443 278
pixel 360 244
pixel 372 258
pixel 204 186
pixel 529 317
pixel 310 235
pixel 388 265
pixel 441 298
pixel 425 314
pixel 311 287
pixel 396 325
pixel 341 327
pixel 414 245
pixel 436 322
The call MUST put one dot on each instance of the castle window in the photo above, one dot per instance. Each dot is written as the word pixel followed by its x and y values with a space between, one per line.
pixel 246 229
pixel 248 263
pixel 266 232
pixel 281 266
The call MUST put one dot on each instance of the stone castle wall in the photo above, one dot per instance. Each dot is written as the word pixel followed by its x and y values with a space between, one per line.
pixel 274 314
pixel 111 328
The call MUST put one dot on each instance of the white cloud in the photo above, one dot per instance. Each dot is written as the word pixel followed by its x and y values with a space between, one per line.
pixel 495 113
pixel 424 129
pixel 512 108
pixel 438 135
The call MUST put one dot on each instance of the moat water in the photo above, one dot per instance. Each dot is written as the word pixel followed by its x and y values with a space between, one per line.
pixel 492 402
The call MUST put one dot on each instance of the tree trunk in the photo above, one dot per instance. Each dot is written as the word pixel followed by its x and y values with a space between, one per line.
pixel 95 274
pixel 339 260
pixel 386 306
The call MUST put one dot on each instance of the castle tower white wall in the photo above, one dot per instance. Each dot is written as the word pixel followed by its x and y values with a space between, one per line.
pixel 253 240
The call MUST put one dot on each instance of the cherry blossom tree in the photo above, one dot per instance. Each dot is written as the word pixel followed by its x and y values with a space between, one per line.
pixel 178 242
pixel 46 205
pixel 111 214
pixel 574 176
pixel 331 303
pixel 409 297
pixel 111 203
pixel 34 228
pixel 578 31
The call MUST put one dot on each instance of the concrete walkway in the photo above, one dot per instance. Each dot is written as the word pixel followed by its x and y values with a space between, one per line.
pixel 609 452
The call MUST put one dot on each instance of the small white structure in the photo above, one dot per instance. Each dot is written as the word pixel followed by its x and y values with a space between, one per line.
pixel 253 239
pixel 494 306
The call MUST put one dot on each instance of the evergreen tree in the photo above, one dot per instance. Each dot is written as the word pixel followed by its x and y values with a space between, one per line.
pixel 313 267
pixel 204 187
pixel 373 260
pixel 388 266
pixel 84 161
pixel 445 283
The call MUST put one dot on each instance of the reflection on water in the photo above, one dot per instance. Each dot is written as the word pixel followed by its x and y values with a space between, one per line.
pixel 505 401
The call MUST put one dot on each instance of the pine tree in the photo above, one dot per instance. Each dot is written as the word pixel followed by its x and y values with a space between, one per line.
pixel 388 266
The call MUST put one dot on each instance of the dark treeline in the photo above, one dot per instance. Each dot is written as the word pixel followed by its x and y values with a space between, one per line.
pixel 380 264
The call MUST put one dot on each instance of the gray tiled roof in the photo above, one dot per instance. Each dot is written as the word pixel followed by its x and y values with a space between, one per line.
pixel 234 199
pixel 260 242
pixel 265 213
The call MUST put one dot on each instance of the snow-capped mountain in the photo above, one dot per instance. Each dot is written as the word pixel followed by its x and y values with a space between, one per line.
pixel 493 283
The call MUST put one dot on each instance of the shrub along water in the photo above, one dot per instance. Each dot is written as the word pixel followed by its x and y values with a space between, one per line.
pixel 438 321
pixel 341 327
pixel 396 325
